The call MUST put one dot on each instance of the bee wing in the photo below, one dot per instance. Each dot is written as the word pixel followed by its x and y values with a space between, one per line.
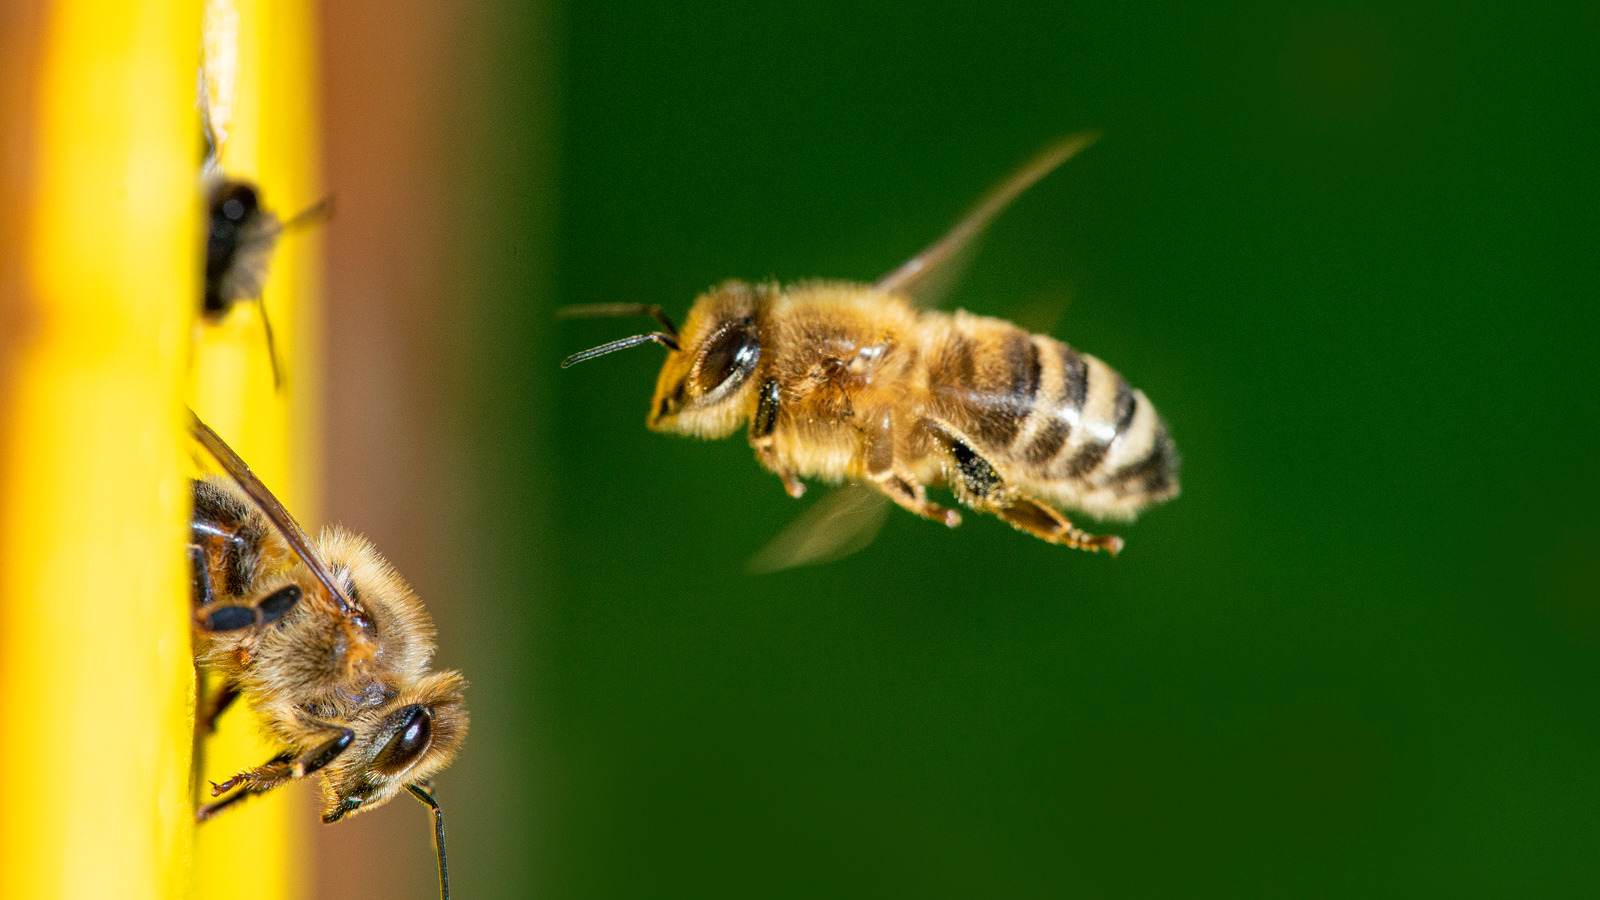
pixel 280 518
pixel 936 267
pixel 219 73
pixel 842 522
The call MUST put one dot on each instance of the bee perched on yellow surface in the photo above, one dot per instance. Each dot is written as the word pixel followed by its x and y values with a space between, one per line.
pixel 328 644
pixel 241 233
pixel 856 383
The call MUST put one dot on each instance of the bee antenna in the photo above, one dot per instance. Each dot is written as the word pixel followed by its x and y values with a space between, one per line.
pixel 272 347
pixel 438 835
pixel 665 340
pixel 609 310
pixel 315 214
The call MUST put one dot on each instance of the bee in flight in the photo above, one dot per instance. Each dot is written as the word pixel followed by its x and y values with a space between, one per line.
pixel 857 383
pixel 327 643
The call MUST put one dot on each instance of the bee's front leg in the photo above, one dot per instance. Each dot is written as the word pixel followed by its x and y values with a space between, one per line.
pixel 762 425
pixel 211 809
pixel 277 771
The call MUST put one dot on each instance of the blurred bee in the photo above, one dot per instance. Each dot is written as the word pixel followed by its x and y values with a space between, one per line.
pixel 856 383
pixel 328 644
pixel 241 234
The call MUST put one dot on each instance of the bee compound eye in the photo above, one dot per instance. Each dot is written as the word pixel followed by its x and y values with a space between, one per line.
pixel 408 743
pixel 236 202
pixel 728 359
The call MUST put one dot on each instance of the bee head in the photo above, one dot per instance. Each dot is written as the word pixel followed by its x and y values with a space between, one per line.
pixel 406 743
pixel 239 239
pixel 705 387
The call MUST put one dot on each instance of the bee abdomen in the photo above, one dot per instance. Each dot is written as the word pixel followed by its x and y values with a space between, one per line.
pixel 1054 415
pixel 1089 428
pixel 984 376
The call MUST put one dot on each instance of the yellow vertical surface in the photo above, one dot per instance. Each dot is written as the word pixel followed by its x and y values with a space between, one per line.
pixel 256 850
pixel 95 660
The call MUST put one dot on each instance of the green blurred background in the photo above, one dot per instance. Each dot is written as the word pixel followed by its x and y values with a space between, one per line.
pixel 1348 249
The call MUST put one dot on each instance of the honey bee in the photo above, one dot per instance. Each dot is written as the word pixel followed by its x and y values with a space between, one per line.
pixel 328 644
pixel 857 383
pixel 241 233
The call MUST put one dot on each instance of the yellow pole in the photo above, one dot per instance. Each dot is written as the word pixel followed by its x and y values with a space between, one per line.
pixel 271 141
pixel 97 289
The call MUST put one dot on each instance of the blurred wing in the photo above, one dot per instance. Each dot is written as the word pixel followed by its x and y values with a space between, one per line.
pixel 937 267
pixel 1041 313
pixel 842 522
pixel 292 533
pixel 219 72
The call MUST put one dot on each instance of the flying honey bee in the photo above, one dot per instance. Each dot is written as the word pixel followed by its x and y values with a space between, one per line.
pixel 241 234
pixel 856 383
pixel 328 644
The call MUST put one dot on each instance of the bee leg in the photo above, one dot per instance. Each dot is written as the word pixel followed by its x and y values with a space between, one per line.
pixel 201 580
pixel 914 497
pixel 211 809
pixel 980 485
pixel 1044 522
pixel 904 490
pixel 220 538
pixel 792 486
pixel 236 617
pixel 762 425
pixel 276 772
pixel 216 705
pixel 272 347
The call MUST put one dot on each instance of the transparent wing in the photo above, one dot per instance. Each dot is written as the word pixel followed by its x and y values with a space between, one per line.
pixel 938 266
pixel 842 522
pixel 264 500
pixel 219 73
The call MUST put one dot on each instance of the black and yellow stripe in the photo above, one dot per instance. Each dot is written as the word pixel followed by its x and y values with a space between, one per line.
pixel 1050 415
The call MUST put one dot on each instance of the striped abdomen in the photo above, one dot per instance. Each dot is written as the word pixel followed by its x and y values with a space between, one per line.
pixel 1057 421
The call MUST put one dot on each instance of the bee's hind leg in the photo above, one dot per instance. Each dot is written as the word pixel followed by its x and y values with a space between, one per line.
pixel 981 486
pixel 1044 522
